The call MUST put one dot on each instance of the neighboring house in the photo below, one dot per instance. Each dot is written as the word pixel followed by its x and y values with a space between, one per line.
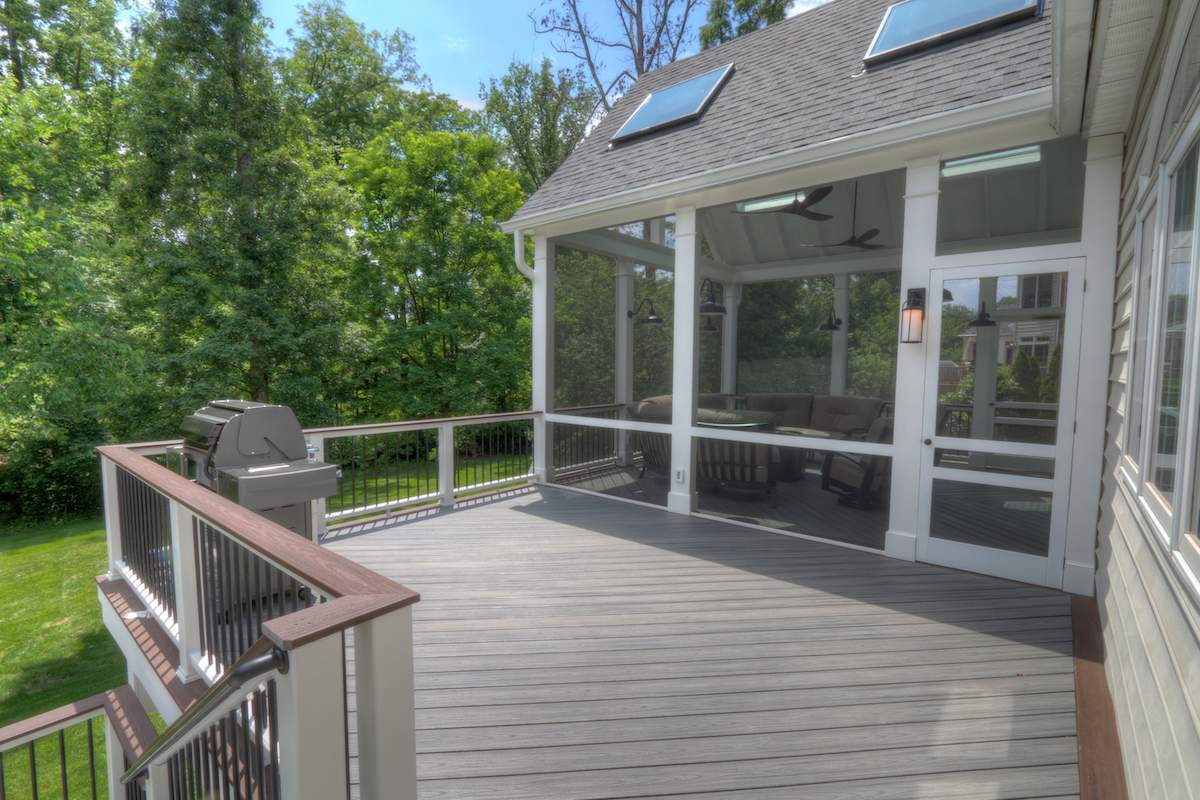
pixel 754 287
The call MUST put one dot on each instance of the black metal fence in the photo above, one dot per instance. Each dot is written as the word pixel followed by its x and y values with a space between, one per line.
pixel 62 763
pixel 237 591
pixel 492 453
pixel 237 757
pixel 145 517
pixel 379 470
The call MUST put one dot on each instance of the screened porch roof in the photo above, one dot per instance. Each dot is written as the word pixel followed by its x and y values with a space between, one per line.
pixel 797 83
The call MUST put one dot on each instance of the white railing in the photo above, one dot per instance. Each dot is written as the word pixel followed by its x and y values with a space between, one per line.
pixel 237 591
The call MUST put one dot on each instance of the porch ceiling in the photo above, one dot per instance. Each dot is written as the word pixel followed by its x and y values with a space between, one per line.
pixel 572 647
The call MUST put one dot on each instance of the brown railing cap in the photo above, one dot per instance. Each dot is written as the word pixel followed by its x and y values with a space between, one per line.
pixel 324 570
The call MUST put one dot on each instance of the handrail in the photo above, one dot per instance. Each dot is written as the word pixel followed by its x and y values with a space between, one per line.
pixel 332 574
pixel 120 705
pixel 420 424
pixel 260 659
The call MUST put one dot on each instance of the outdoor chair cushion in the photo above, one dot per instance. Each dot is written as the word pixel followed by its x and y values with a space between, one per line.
pixel 791 409
pixel 844 414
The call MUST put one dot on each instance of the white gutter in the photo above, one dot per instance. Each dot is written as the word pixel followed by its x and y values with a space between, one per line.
pixel 1037 102
pixel 519 253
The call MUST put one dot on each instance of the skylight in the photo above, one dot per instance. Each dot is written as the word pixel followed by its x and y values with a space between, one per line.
pixel 913 24
pixel 679 103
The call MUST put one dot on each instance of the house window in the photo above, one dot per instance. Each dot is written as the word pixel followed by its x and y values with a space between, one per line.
pixel 1171 330
pixel 1139 348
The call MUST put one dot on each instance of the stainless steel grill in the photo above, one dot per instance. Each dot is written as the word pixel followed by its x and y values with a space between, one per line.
pixel 255 454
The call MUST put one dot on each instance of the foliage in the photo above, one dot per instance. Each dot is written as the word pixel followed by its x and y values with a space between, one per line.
pixel 1026 377
pixel 540 115
pixel 728 19
pixel 186 214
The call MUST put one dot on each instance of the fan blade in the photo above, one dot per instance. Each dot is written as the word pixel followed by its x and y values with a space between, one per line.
pixel 868 235
pixel 817 195
pixel 816 216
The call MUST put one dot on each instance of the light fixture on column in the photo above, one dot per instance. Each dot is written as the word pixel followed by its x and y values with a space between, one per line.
pixel 984 320
pixel 830 325
pixel 651 318
pixel 711 304
pixel 710 327
pixel 912 317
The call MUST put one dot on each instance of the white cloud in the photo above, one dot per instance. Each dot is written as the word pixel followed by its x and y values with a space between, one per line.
pixel 800 6
pixel 456 44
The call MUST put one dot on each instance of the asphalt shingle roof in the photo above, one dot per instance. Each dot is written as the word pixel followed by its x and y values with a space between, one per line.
pixel 796 83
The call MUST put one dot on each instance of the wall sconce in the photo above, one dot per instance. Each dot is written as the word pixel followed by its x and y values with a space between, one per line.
pixel 831 325
pixel 912 317
pixel 711 304
pixel 710 327
pixel 651 318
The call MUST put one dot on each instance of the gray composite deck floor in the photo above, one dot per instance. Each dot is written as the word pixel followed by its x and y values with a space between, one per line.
pixel 574 647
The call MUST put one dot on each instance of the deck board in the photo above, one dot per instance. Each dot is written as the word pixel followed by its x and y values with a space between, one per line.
pixel 575 648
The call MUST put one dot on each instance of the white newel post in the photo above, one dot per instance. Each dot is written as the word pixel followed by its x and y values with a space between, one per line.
pixel 114 757
pixel 316 445
pixel 920 241
pixel 312 722
pixel 446 456
pixel 187 598
pixel 624 353
pixel 1101 206
pixel 683 378
pixel 387 743
pixel 543 356
pixel 112 513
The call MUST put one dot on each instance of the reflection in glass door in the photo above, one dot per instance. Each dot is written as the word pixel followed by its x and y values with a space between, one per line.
pixel 999 418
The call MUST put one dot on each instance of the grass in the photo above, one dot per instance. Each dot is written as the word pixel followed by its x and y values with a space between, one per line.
pixel 53 647
pixel 398 481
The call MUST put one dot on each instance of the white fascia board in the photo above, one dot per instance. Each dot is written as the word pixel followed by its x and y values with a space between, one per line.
pixel 947 133
pixel 1071 45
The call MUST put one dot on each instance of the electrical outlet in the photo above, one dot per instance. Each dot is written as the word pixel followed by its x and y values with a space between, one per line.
pixel 680 475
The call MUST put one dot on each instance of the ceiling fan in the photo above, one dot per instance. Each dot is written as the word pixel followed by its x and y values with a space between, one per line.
pixel 860 240
pixel 801 205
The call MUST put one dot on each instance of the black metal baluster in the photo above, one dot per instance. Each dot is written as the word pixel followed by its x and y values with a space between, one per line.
pixel 226 749
pixel 91 740
pixel 33 781
pixel 245 709
pixel 227 601
pixel 257 729
pixel 62 761
pixel 258 597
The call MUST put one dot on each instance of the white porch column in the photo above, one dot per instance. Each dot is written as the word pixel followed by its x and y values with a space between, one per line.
pixel 387 727
pixel 732 298
pixel 543 355
pixel 312 722
pixel 840 354
pixel 684 363
pixel 624 352
pixel 114 758
pixel 112 514
pixel 317 525
pixel 187 597
pixel 1101 207
pixel 920 240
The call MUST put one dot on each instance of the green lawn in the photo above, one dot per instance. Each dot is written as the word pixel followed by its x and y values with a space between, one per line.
pixel 386 483
pixel 53 647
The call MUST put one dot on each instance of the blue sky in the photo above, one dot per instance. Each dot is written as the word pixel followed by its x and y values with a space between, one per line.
pixel 459 43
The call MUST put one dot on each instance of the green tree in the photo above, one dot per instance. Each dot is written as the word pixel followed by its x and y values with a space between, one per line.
pixel 446 310
pixel 1026 376
pixel 540 115
pixel 345 80
pixel 728 19
pixel 230 229
pixel 1048 390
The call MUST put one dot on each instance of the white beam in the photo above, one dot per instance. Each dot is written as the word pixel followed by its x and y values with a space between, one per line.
pixel 624 351
pixel 920 238
pixel 845 263
pixel 543 353
pixel 312 722
pixel 683 373
pixel 387 726
pixel 1101 199
pixel 729 338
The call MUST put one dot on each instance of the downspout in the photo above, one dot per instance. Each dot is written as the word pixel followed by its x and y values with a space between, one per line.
pixel 519 255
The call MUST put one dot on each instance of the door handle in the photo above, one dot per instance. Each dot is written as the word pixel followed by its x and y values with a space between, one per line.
pixel 929 441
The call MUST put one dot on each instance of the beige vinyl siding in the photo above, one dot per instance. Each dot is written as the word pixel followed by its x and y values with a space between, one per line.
pixel 1151 624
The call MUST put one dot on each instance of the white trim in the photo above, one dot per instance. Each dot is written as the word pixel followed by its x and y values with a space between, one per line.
pixel 1015 255
pixel 1079 578
pixel 152 604
pixel 785 440
pixel 612 424
pixel 981 478
pixel 1032 105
